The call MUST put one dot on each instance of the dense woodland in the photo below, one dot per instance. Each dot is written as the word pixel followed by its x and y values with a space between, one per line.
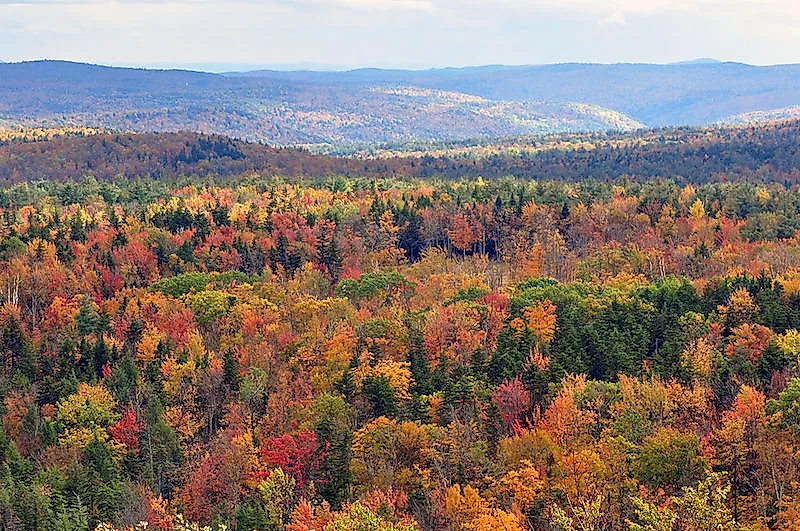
pixel 754 153
pixel 385 353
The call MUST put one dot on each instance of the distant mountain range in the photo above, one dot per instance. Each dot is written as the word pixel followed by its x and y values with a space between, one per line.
pixel 379 106
pixel 656 95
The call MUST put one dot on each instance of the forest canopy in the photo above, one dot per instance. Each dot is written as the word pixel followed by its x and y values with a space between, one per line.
pixel 377 351
pixel 763 153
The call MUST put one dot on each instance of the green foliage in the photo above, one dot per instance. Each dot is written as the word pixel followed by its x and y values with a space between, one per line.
pixel 470 294
pixel 668 458
pixel 334 418
pixel 277 492
pixel 182 284
pixel 360 518
pixel 209 305
pixel 706 506
pixel 651 517
pixel 788 405
pixel 87 321
pixel 385 285
pixel 378 391
pixel 11 246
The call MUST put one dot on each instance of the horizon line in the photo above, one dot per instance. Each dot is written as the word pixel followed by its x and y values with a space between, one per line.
pixel 214 67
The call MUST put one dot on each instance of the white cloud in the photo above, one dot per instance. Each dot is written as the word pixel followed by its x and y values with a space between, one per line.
pixel 607 7
pixel 616 18
pixel 423 5
pixel 399 32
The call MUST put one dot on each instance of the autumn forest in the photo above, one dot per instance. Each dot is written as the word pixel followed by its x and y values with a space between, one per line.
pixel 580 333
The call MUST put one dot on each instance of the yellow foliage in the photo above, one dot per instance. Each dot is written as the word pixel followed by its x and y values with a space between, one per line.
pixel 387 452
pixel 666 225
pixel 697 210
pixel 496 520
pixel 688 193
pixel 791 283
pixel 532 446
pixel 698 357
pixel 583 474
pixel 740 307
pixel 195 347
pixel 789 343
pixel 86 415
pixel 42 251
pixel 464 506
pixel 541 320
pixel 650 398
pixel 146 350
pixel 398 374
pixel 338 352
pixel 523 486
pixel 179 379
pixel 80 437
pixel 182 421
pixel 92 405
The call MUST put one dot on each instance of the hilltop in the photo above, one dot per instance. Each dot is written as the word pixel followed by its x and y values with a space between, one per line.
pixel 696 93
pixel 370 106
pixel 278 111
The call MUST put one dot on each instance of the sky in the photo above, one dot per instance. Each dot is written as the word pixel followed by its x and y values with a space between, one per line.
pixel 218 34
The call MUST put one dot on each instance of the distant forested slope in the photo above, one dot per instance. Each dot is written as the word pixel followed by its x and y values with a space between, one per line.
pixel 371 106
pixel 764 153
pixel 656 95
pixel 277 111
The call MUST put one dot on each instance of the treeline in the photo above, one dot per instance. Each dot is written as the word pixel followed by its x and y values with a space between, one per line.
pixel 763 153
pixel 398 355
pixel 153 156
pixel 9 135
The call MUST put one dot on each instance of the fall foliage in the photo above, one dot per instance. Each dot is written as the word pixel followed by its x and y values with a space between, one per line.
pixel 395 354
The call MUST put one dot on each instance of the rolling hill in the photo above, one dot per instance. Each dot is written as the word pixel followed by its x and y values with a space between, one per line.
pixel 757 153
pixel 695 93
pixel 371 106
pixel 278 111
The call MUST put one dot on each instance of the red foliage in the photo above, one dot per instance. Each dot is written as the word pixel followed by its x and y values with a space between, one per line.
pixel 512 401
pixel 203 490
pixel 127 431
pixel 298 455
pixel 111 283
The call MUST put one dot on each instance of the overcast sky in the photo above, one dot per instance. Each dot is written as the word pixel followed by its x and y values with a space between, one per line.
pixel 398 33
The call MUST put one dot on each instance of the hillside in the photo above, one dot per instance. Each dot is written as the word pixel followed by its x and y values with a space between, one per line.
pixel 278 111
pixel 786 113
pixel 656 95
pixel 371 106
pixel 351 354
pixel 762 153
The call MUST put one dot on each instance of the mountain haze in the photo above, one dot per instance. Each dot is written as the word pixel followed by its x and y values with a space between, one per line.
pixel 695 93
pixel 369 106
pixel 279 111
